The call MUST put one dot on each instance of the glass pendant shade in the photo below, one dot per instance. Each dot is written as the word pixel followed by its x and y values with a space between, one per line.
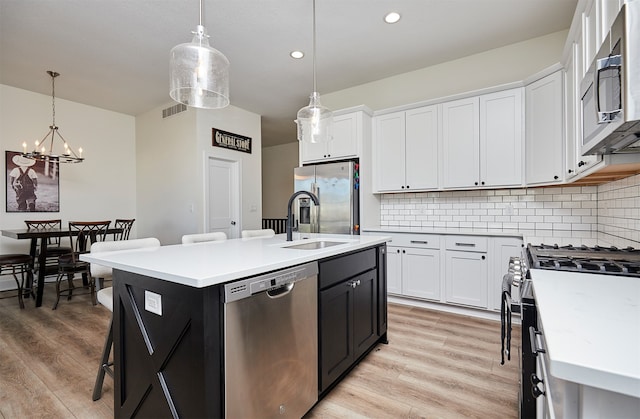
pixel 199 73
pixel 315 122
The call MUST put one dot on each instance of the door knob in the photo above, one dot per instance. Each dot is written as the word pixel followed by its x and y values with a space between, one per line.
pixel 233 223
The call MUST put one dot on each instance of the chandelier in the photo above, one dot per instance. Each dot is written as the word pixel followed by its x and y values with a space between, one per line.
pixel 314 120
pixel 41 152
pixel 199 74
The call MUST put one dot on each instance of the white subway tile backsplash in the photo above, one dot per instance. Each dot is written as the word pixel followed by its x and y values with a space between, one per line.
pixel 612 208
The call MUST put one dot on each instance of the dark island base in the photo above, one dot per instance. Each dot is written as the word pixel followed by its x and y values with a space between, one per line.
pixel 171 365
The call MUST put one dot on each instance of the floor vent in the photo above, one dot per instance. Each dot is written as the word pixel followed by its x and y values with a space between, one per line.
pixel 173 110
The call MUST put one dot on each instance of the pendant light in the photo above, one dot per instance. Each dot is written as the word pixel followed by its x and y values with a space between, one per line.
pixel 314 121
pixel 40 152
pixel 199 73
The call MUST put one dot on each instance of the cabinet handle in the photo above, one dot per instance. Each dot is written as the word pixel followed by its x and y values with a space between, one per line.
pixel 402 187
pixel 555 177
pixel 404 251
pixel 398 250
pixel 482 182
pixel 407 186
pixel 483 257
pixel 419 242
pixel 476 183
pixel 581 163
pixel 353 284
pixel 570 171
pixel 466 244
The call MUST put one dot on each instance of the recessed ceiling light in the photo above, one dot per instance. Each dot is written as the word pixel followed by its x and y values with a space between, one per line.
pixel 297 54
pixel 392 17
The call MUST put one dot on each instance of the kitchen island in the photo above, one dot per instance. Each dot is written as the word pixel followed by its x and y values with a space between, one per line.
pixel 169 315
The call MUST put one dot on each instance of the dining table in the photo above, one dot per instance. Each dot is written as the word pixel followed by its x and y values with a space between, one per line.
pixel 41 237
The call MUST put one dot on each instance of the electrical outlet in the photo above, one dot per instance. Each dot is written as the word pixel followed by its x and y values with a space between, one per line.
pixel 153 302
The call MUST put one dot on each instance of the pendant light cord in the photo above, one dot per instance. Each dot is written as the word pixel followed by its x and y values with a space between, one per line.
pixel 53 97
pixel 200 12
pixel 314 46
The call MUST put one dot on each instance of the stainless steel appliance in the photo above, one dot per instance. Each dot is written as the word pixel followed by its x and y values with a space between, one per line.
pixel 610 89
pixel 536 384
pixel 337 187
pixel 271 344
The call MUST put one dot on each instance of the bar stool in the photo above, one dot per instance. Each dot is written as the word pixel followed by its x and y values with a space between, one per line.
pixel 265 232
pixel 105 297
pixel 203 237
pixel 14 264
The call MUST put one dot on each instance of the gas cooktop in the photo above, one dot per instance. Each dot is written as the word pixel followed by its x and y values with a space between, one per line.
pixel 598 259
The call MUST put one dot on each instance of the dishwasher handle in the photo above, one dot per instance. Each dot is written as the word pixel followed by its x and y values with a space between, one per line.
pixel 281 291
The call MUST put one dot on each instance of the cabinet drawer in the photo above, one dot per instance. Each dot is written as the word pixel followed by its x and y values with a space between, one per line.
pixel 467 243
pixel 338 269
pixel 424 241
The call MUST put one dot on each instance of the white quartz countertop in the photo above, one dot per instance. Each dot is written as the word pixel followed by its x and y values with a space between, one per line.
pixel 591 325
pixel 201 265
pixel 559 237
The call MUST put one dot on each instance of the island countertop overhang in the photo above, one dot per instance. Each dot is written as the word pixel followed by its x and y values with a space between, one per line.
pixel 204 264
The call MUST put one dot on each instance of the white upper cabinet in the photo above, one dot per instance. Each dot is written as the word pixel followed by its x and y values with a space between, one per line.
pixel 482 140
pixel 544 130
pixel 406 150
pixel 461 143
pixel 347 140
pixel 501 137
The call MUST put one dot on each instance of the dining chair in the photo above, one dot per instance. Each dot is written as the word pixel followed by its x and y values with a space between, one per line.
pixel 81 233
pixel 13 264
pixel 105 297
pixel 125 225
pixel 265 232
pixel 54 249
pixel 203 237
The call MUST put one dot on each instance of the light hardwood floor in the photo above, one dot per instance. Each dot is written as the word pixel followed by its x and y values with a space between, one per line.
pixel 436 365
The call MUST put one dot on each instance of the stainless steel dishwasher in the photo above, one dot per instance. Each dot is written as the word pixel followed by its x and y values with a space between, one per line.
pixel 271 344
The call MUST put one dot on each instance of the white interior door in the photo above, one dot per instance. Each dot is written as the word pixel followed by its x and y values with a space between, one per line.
pixel 223 198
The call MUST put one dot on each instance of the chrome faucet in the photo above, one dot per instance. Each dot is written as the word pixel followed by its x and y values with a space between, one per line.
pixel 290 216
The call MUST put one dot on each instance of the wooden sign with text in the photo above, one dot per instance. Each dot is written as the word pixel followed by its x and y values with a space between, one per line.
pixel 231 141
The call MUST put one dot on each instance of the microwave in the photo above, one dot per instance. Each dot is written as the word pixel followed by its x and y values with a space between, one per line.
pixel 610 89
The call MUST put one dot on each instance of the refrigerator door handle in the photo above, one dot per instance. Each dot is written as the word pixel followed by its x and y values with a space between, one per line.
pixel 315 211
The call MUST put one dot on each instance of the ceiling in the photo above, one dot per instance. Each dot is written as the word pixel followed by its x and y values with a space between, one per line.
pixel 114 54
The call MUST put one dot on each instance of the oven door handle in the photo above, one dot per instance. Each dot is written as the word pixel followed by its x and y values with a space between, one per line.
pixel 534 339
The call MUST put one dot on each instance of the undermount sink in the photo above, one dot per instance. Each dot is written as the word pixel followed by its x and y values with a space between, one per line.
pixel 313 245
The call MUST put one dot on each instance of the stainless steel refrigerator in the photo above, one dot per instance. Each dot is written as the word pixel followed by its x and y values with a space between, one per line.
pixel 337 187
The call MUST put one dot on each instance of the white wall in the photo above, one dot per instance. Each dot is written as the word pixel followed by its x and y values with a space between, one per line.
pixel 172 153
pixel 278 163
pixel 508 64
pixel 102 187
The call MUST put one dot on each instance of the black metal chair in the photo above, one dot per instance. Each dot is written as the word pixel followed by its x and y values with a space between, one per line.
pixel 125 225
pixel 54 249
pixel 80 234
pixel 16 264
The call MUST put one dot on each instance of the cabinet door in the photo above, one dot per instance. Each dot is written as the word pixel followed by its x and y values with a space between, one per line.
pixel 422 147
pixel 460 143
pixel 544 130
pixel 365 314
pixel 310 152
pixel 501 138
pixel 390 152
pixel 421 273
pixel 503 248
pixel 345 137
pixel 394 270
pixel 466 278
pixel 336 332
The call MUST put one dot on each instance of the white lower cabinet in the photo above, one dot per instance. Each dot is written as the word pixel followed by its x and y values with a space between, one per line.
pixel 413 269
pixel 466 270
pixel 502 248
pixel 452 269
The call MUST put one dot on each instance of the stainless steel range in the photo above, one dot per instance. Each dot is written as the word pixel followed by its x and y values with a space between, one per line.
pixel 517 296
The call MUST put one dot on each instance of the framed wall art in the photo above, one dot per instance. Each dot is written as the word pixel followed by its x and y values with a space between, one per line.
pixel 31 185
